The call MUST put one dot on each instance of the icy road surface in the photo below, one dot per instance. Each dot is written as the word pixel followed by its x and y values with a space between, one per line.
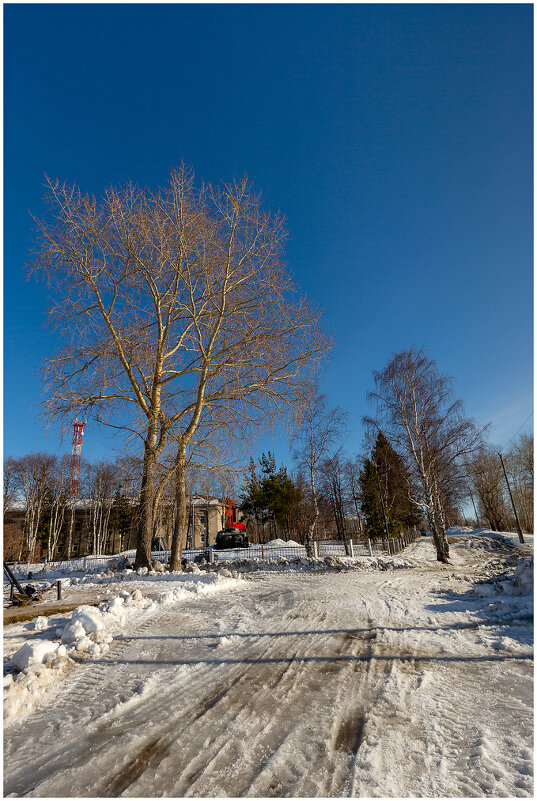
pixel 377 683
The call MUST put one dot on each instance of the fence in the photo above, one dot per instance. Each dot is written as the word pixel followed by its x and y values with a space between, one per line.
pixel 261 551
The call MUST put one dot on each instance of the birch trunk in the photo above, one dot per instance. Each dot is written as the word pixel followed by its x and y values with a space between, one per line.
pixel 308 542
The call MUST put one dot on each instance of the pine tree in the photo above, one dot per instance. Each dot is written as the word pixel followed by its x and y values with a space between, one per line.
pixel 386 473
pixel 270 496
pixel 370 501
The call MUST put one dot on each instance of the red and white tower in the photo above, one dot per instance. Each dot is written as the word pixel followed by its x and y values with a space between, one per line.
pixel 74 476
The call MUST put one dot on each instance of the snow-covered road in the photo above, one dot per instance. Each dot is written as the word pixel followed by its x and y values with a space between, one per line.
pixel 377 683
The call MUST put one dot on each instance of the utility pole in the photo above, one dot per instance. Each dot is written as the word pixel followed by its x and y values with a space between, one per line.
pixel 520 537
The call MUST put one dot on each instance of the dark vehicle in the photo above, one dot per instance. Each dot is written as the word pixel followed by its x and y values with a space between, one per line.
pixel 231 538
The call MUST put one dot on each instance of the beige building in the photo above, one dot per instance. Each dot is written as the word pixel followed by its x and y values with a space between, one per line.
pixel 206 517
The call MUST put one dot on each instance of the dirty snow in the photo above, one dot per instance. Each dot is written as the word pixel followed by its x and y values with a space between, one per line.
pixel 386 677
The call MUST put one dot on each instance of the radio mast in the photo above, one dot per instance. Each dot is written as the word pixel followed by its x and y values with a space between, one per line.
pixel 74 476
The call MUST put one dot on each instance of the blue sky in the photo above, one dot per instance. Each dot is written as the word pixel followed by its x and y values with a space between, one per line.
pixel 396 139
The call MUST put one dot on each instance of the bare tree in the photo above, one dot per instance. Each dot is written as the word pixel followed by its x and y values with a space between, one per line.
pixel 9 483
pixel 333 485
pixel 487 480
pixel 318 429
pixel 519 461
pixel 31 475
pixel 102 484
pixel 418 415
pixel 57 495
pixel 172 303
pixel 352 487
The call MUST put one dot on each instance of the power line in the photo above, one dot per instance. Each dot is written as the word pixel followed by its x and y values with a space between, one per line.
pixel 521 426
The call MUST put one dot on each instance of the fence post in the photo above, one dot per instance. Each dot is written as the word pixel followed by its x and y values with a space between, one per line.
pixel 369 546
pixel 59 588
pixel 262 551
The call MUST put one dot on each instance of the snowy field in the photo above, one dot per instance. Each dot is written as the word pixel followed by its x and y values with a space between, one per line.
pixel 385 677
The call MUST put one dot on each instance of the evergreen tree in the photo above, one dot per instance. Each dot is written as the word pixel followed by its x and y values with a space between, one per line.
pixel 386 473
pixel 370 500
pixel 270 496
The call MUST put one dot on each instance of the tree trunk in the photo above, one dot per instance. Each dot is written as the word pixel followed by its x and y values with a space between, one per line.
pixel 439 536
pixel 145 524
pixel 308 541
pixel 180 515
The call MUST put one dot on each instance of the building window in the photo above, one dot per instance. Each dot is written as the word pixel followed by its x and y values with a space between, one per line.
pixel 75 547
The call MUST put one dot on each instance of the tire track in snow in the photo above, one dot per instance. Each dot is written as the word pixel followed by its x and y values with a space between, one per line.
pixel 244 707
pixel 71 702
pixel 65 705
pixel 294 716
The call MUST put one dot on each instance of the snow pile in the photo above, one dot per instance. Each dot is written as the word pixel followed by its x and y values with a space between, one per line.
pixel 302 563
pixel 88 633
pixel 41 661
pixel 25 689
pixel 523 579
pixel 519 583
pixel 39 624
pixel 36 653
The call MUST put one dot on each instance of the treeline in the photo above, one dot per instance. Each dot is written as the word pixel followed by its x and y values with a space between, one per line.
pixel 488 488
pixel 107 501
pixel 37 485
pixel 424 462
pixel 360 497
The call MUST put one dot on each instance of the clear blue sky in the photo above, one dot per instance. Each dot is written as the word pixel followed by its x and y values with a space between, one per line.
pixel 397 140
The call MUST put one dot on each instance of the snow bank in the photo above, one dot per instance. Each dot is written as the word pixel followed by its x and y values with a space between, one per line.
pixel 523 579
pixel 519 583
pixel 88 633
pixel 302 563
pixel 34 653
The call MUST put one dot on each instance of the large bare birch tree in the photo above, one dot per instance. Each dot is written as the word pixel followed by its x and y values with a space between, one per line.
pixel 172 304
pixel 318 430
pixel 418 414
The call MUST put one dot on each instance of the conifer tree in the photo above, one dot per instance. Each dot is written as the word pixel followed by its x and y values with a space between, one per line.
pixel 386 473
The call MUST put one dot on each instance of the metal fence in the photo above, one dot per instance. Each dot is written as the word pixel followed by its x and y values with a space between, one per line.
pixel 261 551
